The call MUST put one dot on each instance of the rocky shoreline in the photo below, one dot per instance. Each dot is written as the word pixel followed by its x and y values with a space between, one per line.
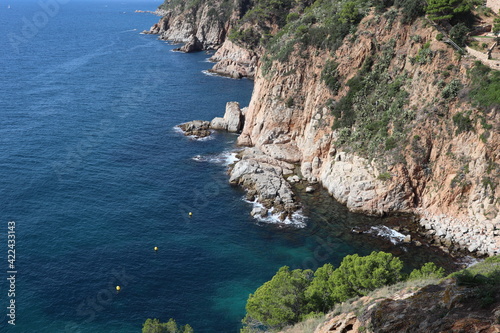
pixel 451 233
pixel 288 127
pixel 268 177
pixel 261 175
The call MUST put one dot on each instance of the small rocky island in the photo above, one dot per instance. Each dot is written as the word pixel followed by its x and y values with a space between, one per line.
pixel 232 121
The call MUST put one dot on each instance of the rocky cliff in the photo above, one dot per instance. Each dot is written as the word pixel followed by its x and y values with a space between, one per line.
pixel 466 302
pixel 383 120
pixel 200 25
pixel 436 171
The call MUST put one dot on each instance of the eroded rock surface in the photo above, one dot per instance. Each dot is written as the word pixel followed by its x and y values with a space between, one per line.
pixel 196 128
pixel 263 178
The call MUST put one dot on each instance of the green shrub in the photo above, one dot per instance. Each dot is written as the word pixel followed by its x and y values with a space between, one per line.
pixel 428 270
pixel 410 9
pixel 319 292
pixel 463 122
pixel 374 108
pixel 439 37
pixel 280 301
pixel 384 176
pixel 452 89
pixel 459 34
pixel 416 38
pixel 496 25
pixel 485 86
pixel 247 37
pixel 445 10
pixel 356 276
pixel 154 326
pixel 292 17
pixel 390 143
pixel 483 279
pixel 424 55
pixel 291 296
pixel 330 77
pixel 488 182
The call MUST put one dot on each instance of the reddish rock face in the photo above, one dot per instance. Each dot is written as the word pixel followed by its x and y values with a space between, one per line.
pixel 447 178
pixel 442 174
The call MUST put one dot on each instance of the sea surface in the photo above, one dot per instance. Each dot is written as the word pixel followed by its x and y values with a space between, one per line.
pixel 95 175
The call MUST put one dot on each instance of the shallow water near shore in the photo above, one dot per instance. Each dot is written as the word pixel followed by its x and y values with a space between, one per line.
pixel 95 176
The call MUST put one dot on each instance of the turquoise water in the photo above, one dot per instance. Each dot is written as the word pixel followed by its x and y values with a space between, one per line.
pixel 95 175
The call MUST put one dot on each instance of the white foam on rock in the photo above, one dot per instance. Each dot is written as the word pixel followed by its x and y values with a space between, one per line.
pixel 385 232
pixel 177 129
pixel 209 73
pixel 297 220
pixel 226 158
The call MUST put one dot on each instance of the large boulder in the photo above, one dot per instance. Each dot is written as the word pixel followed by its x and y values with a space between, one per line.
pixel 263 179
pixel 218 123
pixel 193 45
pixel 233 117
pixel 196 128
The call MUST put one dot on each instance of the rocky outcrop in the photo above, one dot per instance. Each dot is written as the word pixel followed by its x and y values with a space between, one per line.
pixel 234 61
pixel 441 176
pixel 467 234
pixel 232 122
pixel 444 177
pixel 196 128
pixel 494 5
pixel 443 307
pixel 193 44
pixel 200 29
pixel 355 182
pixel 194 25
pixel 233 119
pixel 263 179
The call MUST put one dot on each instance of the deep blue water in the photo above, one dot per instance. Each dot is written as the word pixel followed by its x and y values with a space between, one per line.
pixel 94 175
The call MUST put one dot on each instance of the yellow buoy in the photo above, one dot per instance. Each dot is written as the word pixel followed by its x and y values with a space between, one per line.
pixel 190 214
pixel 118 288
pixel 156 248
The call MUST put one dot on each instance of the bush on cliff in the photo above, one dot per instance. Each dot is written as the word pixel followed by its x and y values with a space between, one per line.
pixel 280 301
pixel 292 296
pixel 372 116
pixel 484 279
pixel 155 326
pixel 357 275
pixel 428 270
pixel 319 293
pixel 485 86
pixel 441 10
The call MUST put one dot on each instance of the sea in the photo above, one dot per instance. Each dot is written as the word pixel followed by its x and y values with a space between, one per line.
pixel 94 175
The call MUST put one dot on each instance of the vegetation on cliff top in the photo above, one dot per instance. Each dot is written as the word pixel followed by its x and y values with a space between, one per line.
pixel 477 297
pixel 295 295
pixel 155 326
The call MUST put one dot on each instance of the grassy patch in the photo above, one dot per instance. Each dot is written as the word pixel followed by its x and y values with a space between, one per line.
pixel 373 109
pixel 485 87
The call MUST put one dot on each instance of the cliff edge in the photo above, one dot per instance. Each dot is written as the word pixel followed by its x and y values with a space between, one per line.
pixel 369 100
